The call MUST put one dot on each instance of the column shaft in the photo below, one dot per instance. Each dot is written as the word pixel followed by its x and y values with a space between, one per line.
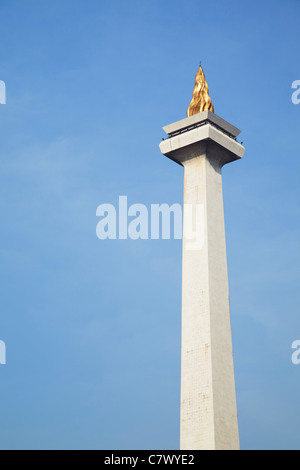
pixel 208 401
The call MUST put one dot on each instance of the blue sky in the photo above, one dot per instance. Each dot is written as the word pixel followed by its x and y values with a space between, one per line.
pixel 92 327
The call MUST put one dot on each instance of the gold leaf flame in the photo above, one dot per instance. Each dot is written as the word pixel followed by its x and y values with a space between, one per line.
pixel 201 100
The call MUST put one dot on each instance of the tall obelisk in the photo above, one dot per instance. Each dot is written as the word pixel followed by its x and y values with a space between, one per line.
pixel 203 143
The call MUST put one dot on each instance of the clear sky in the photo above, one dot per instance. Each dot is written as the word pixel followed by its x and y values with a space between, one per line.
pixel 92 327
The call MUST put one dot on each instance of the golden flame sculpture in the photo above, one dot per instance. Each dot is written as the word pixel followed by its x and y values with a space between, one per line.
pixel 201 100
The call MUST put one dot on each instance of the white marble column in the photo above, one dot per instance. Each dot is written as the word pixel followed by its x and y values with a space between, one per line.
pixel 208 400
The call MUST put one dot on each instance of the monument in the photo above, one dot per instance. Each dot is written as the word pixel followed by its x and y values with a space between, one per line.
pixel 203 143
